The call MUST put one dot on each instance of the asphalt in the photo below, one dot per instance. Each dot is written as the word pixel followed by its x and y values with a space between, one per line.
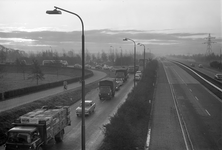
pixel 165 130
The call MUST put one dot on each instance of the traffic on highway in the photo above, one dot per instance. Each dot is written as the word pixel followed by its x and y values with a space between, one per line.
pixel 110 75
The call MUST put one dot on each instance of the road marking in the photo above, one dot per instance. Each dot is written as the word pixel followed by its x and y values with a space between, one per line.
pixel 207 112
pixel 190 90
pixel 178 115
pixel 149 101
pixel 148 140
pixel 201 77
pixel 196 98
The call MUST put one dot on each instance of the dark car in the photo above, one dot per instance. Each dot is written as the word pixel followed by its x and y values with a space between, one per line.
pixel 218 76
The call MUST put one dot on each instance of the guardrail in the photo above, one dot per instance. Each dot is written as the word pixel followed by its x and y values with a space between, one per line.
pixel 208 82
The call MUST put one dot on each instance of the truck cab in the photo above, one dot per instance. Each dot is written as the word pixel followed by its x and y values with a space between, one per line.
pixel 23 138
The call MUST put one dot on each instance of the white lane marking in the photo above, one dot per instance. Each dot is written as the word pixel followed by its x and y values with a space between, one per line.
pixel 148 140
pixel 178 115
pixel 207 112
pixel 179 76
pixel 190 90
pixel 201 77
pixel 196 98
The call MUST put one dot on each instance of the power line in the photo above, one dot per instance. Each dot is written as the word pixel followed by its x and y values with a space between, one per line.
pixel 209 42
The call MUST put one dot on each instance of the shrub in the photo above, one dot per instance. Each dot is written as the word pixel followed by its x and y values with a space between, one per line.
pixel 127 130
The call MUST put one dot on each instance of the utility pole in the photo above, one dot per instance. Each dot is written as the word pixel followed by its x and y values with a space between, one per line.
pixel 209 42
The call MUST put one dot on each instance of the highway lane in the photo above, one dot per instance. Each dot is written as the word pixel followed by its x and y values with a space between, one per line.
pixel 200 109
pixel 207 70
pixel 94 123
pixel 166 129
pixel 14 102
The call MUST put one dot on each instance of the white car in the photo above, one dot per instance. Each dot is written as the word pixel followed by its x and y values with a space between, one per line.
pixel 137 77
pixel 119 81
pixel 139 73
pixel 89 108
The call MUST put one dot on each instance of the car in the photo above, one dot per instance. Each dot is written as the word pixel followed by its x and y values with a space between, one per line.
pixel 192 65
pixel 89 108
pixel 218 76
pixel 139 73
pixel 117 87
pixel 77 66
pixel 137 77
pixel 200 66
pixel 119 81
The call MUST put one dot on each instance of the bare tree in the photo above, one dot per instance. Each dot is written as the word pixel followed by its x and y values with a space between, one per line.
pixel 36 73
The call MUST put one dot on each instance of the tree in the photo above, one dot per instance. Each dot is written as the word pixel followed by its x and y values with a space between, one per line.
pixel 21 66
pixel 3 56
pixel 104 57
pixel 36 72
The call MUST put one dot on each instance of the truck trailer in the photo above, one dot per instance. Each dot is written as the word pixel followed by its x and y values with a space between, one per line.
pixel 122 73
pixel 33 131
pixel 107 88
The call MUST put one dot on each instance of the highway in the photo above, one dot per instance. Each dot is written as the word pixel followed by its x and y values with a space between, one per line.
pixel 94 123
pixel 17 101
pixel 186 116
pixel 198 118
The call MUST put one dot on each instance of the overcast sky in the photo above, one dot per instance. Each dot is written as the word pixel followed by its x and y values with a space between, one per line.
pixel 164 26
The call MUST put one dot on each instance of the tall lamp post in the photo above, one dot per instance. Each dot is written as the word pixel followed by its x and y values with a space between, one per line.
pixel 143 55
pixel 112 48
pixel 121 55
pixel 128 39
pixel 56 11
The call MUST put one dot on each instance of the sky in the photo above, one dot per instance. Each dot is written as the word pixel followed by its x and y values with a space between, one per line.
pixel 163 26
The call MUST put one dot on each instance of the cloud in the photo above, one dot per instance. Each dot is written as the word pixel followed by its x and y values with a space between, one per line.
pixel 96 40
pixel 16 39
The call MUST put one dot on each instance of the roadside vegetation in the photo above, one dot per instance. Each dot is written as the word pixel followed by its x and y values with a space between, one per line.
pixel 128 128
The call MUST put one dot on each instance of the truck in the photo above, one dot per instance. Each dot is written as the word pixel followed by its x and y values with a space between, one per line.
pixel 122 73
pixel 34 130
pixel 107 88
pixel 131 69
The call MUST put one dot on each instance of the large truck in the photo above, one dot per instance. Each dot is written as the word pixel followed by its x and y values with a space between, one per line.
pixel 34 130
pixel 107 88
pixel 122 73
pixel 131 69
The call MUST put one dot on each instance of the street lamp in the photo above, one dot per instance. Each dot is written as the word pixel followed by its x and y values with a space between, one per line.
pixel 112 48
pixel 121 55
pixel 57 11
pixel 143 55
pixel 128 39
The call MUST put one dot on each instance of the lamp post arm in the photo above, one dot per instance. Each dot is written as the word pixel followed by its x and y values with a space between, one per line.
pixel 73 14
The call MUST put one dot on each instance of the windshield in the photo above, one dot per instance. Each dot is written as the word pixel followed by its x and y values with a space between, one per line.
pixel 16 137
pixel 119 74
pixel 105 89
pixel 119 79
